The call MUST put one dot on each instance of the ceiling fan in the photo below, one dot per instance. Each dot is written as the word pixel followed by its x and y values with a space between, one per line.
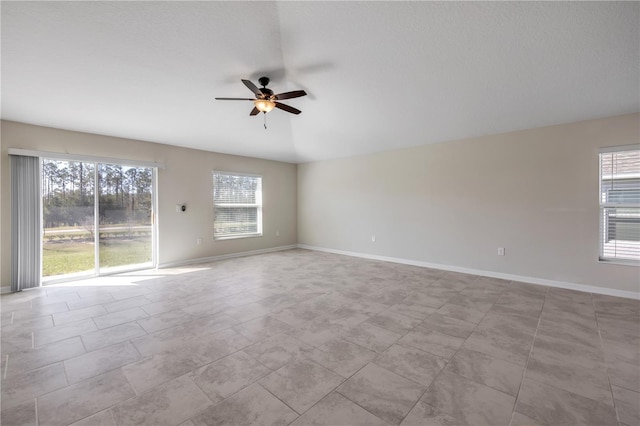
pixel 265 100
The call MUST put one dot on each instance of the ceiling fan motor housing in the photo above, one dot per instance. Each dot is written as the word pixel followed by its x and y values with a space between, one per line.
pixel 266 92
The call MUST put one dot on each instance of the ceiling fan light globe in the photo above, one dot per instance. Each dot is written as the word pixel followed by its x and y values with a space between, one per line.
pixel 264 105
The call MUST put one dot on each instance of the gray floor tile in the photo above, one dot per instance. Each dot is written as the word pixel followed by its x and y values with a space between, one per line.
pixel 262 328
pixel 571 320
pixel 614 326
pixel 27 324
pixel 103 418
pixel 626 307
pixel 426 298
pixel 217 345
pixel 75 402
pixel 341 357
pixel 334 410
pixel 124 304
pixel 349 318
pixel 523 304
pixel 462 313
pixel 301 383
pixel 204 309
pixel 44 300
pixel 248 312
pixel 411 363
pixel 30 359
pixel 434 342
pixel 478 303
pixel 100 361
pixel 568 350
pixel 495 373
pixel 162 367
pixel 22 415
pixel 162 306
pixel 627 405
pixel 112 335
pixel 170 404
pixel 448 325
pixel 228 375
pixel 382 392
pixel 17 340
pixel 24 387
pixel 423 414
pixel 278 350
pixel 394 321
pixel 86 302
pixel 468 402
pixel 165 320
pixel 62 332
pixel 624 375
pixel 372 337
pixel 518 419
pixel 251 406
pixel 38 311
pixel 411 309
pixel 617 351
pixel 508 321
pixel 552 406
pixel 513 347
pixel 570 334
pixel 120 317
pixel 589 380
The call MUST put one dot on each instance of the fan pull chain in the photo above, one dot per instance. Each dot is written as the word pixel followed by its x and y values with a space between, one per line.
pixel 265 120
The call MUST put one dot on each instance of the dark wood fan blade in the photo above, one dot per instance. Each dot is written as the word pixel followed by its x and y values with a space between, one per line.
pixel 252 87
pixel 290 95
pixel 254 111
pixel 235 99
pixel 288 108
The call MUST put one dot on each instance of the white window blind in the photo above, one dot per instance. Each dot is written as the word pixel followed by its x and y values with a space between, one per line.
pixel 620 205
pixel 237 204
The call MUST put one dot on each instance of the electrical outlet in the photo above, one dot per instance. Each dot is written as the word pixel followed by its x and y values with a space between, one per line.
pixel 500 251
pixel 373 238
pixel 199 241
pixel 277 233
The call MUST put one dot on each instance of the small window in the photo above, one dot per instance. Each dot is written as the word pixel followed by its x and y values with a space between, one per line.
pixel 237 205
pixel 620 205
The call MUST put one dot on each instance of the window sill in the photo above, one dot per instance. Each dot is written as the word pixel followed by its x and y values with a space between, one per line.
pixel 236 237
pixel 619 262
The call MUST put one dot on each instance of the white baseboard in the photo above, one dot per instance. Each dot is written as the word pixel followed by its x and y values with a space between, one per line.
pixel 225 256
pixel 5 289
pixel 510 277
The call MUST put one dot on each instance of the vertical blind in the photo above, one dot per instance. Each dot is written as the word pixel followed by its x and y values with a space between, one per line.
pixel 237 204
pixel 25 222
pixel 620 205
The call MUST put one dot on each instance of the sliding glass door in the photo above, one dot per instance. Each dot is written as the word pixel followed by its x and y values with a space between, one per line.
pixel 125 203
pixel 68 213
pixel 98 218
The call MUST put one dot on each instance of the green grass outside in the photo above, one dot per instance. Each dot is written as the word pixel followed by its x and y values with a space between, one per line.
pixel 72 257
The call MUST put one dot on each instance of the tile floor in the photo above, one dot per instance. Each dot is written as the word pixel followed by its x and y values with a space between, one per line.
pixel 309 338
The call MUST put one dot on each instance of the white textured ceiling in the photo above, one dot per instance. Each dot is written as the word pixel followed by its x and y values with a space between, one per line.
pixel 380 75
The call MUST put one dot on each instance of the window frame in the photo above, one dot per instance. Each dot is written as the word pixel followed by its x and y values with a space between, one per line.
pixel 606 204
pixel 257 206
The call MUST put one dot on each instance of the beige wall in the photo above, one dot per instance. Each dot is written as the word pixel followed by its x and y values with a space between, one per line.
pixel 534 192
pixel 186 178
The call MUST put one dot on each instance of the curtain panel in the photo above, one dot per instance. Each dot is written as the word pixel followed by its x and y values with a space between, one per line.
pixel 25 222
